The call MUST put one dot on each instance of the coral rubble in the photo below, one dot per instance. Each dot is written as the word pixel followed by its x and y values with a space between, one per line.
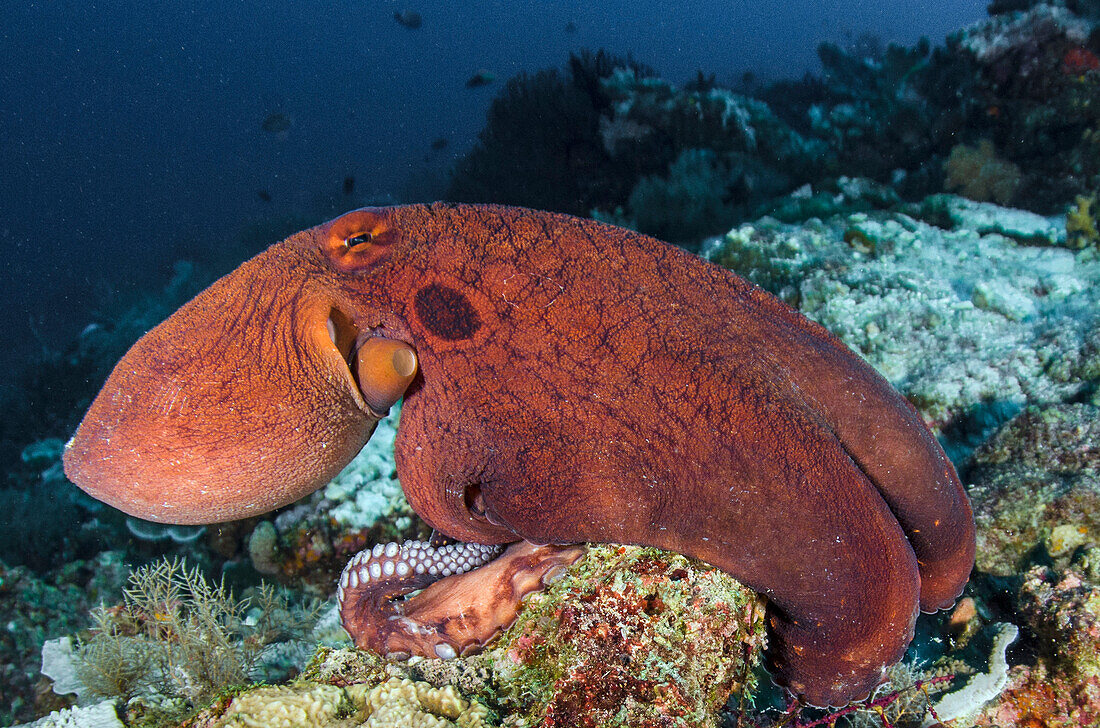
pixel 963 320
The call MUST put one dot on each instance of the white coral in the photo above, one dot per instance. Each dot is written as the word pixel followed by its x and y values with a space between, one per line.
pixel 981 688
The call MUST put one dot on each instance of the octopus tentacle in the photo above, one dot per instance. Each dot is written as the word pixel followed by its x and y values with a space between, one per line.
pixel 463 604
pixel 394 568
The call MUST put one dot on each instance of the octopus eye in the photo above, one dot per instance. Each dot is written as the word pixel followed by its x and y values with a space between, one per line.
pixel 358 239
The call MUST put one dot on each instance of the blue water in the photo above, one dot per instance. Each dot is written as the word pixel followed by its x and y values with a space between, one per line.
pixel 130 132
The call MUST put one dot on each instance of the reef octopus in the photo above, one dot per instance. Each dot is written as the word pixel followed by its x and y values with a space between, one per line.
pixel 564 381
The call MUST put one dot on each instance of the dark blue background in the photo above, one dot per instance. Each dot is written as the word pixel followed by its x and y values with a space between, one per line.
pixel 130 131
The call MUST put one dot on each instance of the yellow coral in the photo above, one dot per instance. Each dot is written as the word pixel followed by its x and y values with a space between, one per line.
pixel 978 174
pixel 407 704
pixel 287 707
pixel 1081 223
pixel 396 703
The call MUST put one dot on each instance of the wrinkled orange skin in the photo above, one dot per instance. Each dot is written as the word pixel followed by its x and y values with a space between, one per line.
pixel 578 382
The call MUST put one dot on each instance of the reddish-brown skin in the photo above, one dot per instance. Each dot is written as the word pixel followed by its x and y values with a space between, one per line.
pixel 578 382
pixel 462 612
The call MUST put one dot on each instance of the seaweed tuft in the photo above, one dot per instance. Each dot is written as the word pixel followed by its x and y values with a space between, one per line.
pixel 179 635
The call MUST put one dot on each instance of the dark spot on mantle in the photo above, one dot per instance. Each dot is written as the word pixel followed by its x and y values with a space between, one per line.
pixel 446 313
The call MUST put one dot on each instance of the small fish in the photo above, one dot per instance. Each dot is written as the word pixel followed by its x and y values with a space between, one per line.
pixel 349 185
pixel 409 19
pixel 439 144
pixel 277 123
pixel 264 195
pixel 481 78
pixel 570 27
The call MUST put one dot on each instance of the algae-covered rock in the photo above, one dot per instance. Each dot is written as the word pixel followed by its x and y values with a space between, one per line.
pixel 1036 486
pixel 345 666
pixel 630 637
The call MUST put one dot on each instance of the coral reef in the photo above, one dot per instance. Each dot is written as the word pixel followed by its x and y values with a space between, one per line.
pixel 1061 685
pixel 175 635
pixel 986 318
pixel 607 135
pixel 35 609
pixel 543 147
pixel 1034 93
pixel 680 162
pixel 629 637
pixel 722 154
pixel 1035 487
pixel 869 109
pixel 967 324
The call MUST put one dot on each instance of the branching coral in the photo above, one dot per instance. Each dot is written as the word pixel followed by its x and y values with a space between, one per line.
pixel 1081 230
